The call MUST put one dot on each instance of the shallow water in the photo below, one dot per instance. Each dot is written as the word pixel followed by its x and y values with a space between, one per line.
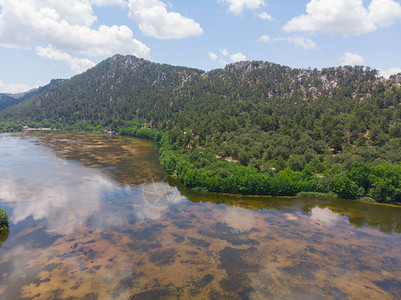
pixel 92 217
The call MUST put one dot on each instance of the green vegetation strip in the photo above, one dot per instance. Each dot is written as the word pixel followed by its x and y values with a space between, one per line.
pixel 200 169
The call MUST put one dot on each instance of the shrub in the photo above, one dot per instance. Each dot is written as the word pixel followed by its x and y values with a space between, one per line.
pixel 345 188
pixel 3 220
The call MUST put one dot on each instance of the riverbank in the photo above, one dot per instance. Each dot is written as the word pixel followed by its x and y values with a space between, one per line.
pixel 200 169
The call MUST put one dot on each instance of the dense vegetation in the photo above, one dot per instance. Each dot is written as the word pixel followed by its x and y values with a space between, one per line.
pixel 10 126
pixel 3 220
pixel 251 128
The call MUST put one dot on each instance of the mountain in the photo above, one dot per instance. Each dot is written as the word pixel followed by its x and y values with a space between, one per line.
pixel 117 88
pixel 8 100
pixel 268 117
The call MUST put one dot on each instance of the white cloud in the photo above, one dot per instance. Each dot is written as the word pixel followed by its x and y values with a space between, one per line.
pixel 66 25
pixel 305 43
pixel 265 16
pixel 351 59
pixel 223 62
pixel 155 21
pixel 384 12
pixel 109 2
pixel 237 57
pixel 345 17
pixel 213 56
pixel 264 38
pixel 389 72
pixel 74 12
pixel 224 52
pixel 238 6
pixel 13 88
pixel 78 65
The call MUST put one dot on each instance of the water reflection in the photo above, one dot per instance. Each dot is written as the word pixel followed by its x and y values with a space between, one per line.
pixel 328 211
pixel 239 219
pixel 4 235
pixel 324 216
pixel 65 194
pixel 90 221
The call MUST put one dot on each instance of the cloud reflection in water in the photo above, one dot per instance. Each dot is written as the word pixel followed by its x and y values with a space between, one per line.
pixel 35 183
pixel 240 219
pixel 325 216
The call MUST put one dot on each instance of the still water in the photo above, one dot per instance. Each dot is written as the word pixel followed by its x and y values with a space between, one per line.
pixel 93 217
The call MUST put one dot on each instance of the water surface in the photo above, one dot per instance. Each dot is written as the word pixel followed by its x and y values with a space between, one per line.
pixel 92 217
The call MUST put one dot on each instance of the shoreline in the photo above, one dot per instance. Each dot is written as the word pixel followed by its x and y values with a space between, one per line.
pixel 178 179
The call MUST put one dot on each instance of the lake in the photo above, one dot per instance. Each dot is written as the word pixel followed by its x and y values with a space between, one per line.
pixel 95 217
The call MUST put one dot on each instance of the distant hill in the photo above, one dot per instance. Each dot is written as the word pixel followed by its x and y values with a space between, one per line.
pixel 266 116
pixel 8 100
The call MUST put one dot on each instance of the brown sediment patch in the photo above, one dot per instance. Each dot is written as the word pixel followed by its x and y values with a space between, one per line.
pixel 84 267
pixel 131 161
pixel 163 257
pixel 159 259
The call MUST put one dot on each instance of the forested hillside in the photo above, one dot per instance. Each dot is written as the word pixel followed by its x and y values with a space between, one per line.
pixel 120 88
pixel 252 127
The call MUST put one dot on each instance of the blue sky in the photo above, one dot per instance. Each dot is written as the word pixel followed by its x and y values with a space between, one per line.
pixel 45 39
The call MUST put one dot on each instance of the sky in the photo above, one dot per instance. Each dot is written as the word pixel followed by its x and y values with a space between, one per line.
pixel 42 40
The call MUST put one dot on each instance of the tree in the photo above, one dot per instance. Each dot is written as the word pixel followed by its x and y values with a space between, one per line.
pixel 243 158
pixel 345 188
